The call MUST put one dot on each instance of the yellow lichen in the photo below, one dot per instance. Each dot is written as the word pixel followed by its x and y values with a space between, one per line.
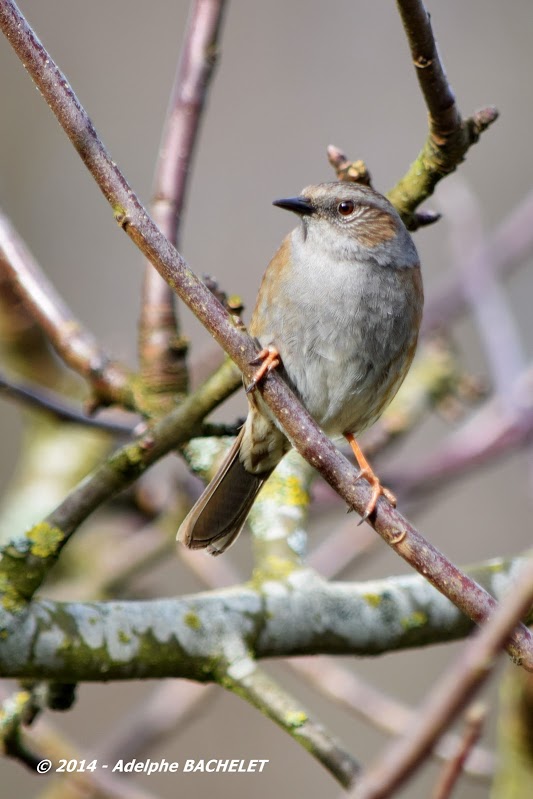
pixel 44 539
pixel 296 718
pixel 191 620
pixel 374 600
pixel 415 620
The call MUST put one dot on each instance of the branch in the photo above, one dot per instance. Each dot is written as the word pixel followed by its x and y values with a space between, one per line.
pixel 490 434
pixel 508 246
pixel 474 721
pixel 170 708
pixel 490 308
pixel 110 381
pixel 17 710
pixel 262 692
pixel 189 637
pixel 449 695
pixel 41 399
pixel 449 136
pixel 301 429
pixel 26 561
pixel 384 712
pixel 162 349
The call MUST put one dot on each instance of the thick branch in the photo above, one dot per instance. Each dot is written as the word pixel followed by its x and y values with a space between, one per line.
pixel 303 432
pixel 195 636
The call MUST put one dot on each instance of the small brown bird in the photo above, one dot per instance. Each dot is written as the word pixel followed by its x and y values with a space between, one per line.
pixel 338 313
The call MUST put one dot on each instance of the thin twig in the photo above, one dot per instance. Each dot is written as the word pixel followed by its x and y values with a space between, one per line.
pixel 385 713
pixel 162 348
pixel 509 246
pixel 449 695
pixel 449 136
pixel 301 429
pixel 490 307
pixel 489 435
pixel 77 346
pixel 474 721
pixel 172 706
pixel 41 399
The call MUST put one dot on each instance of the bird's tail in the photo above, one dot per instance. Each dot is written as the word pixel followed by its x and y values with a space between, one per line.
pixel 218 516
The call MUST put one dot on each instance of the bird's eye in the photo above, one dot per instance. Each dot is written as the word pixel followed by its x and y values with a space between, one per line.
pixel 345 208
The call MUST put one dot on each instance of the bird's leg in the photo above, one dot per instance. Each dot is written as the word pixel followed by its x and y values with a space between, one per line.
pixel 268 359
pixel 368 473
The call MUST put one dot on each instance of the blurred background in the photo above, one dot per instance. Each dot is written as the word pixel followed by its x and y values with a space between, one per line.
pixel 292 78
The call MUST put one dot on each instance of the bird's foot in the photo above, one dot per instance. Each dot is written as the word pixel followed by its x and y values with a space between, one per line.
pixel 268 359
pixel 368 473
pixel 377 491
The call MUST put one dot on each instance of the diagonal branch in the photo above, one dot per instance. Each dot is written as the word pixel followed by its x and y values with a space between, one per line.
pixel 26 561
pixel 449 695
pixel 386 713
pixel 162 349
pixel 110 381
pixel 509 245
pixel 449 136
pixel 76 345
pixel 301 429
pixel 475 719
pixel 262 692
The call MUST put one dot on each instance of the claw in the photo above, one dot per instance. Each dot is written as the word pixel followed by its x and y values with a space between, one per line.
pixel 368 473
pixel 269 359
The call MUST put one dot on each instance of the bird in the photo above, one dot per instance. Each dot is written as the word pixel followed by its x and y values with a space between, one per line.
pixel 337 315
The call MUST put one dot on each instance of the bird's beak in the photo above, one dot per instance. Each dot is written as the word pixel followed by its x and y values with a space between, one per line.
pixel 300 205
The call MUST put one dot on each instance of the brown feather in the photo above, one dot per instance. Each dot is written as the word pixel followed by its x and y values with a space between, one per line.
pixel 218 516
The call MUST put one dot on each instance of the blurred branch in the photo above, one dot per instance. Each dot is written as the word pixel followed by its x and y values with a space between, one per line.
pixel 450 137
pixel 348 690
pixel 172 706
pixel 489 435
pixel 490 308
pixel 162 349
pixel 49 743
pixel 17 710
pixel 340 548
pixel 278 519
pixel 39 398
pixel 449 694
pixel 475 719
pixel 514 775
pixel 110 381
pixel 434 379
pixel 507 247
pixel 48 401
